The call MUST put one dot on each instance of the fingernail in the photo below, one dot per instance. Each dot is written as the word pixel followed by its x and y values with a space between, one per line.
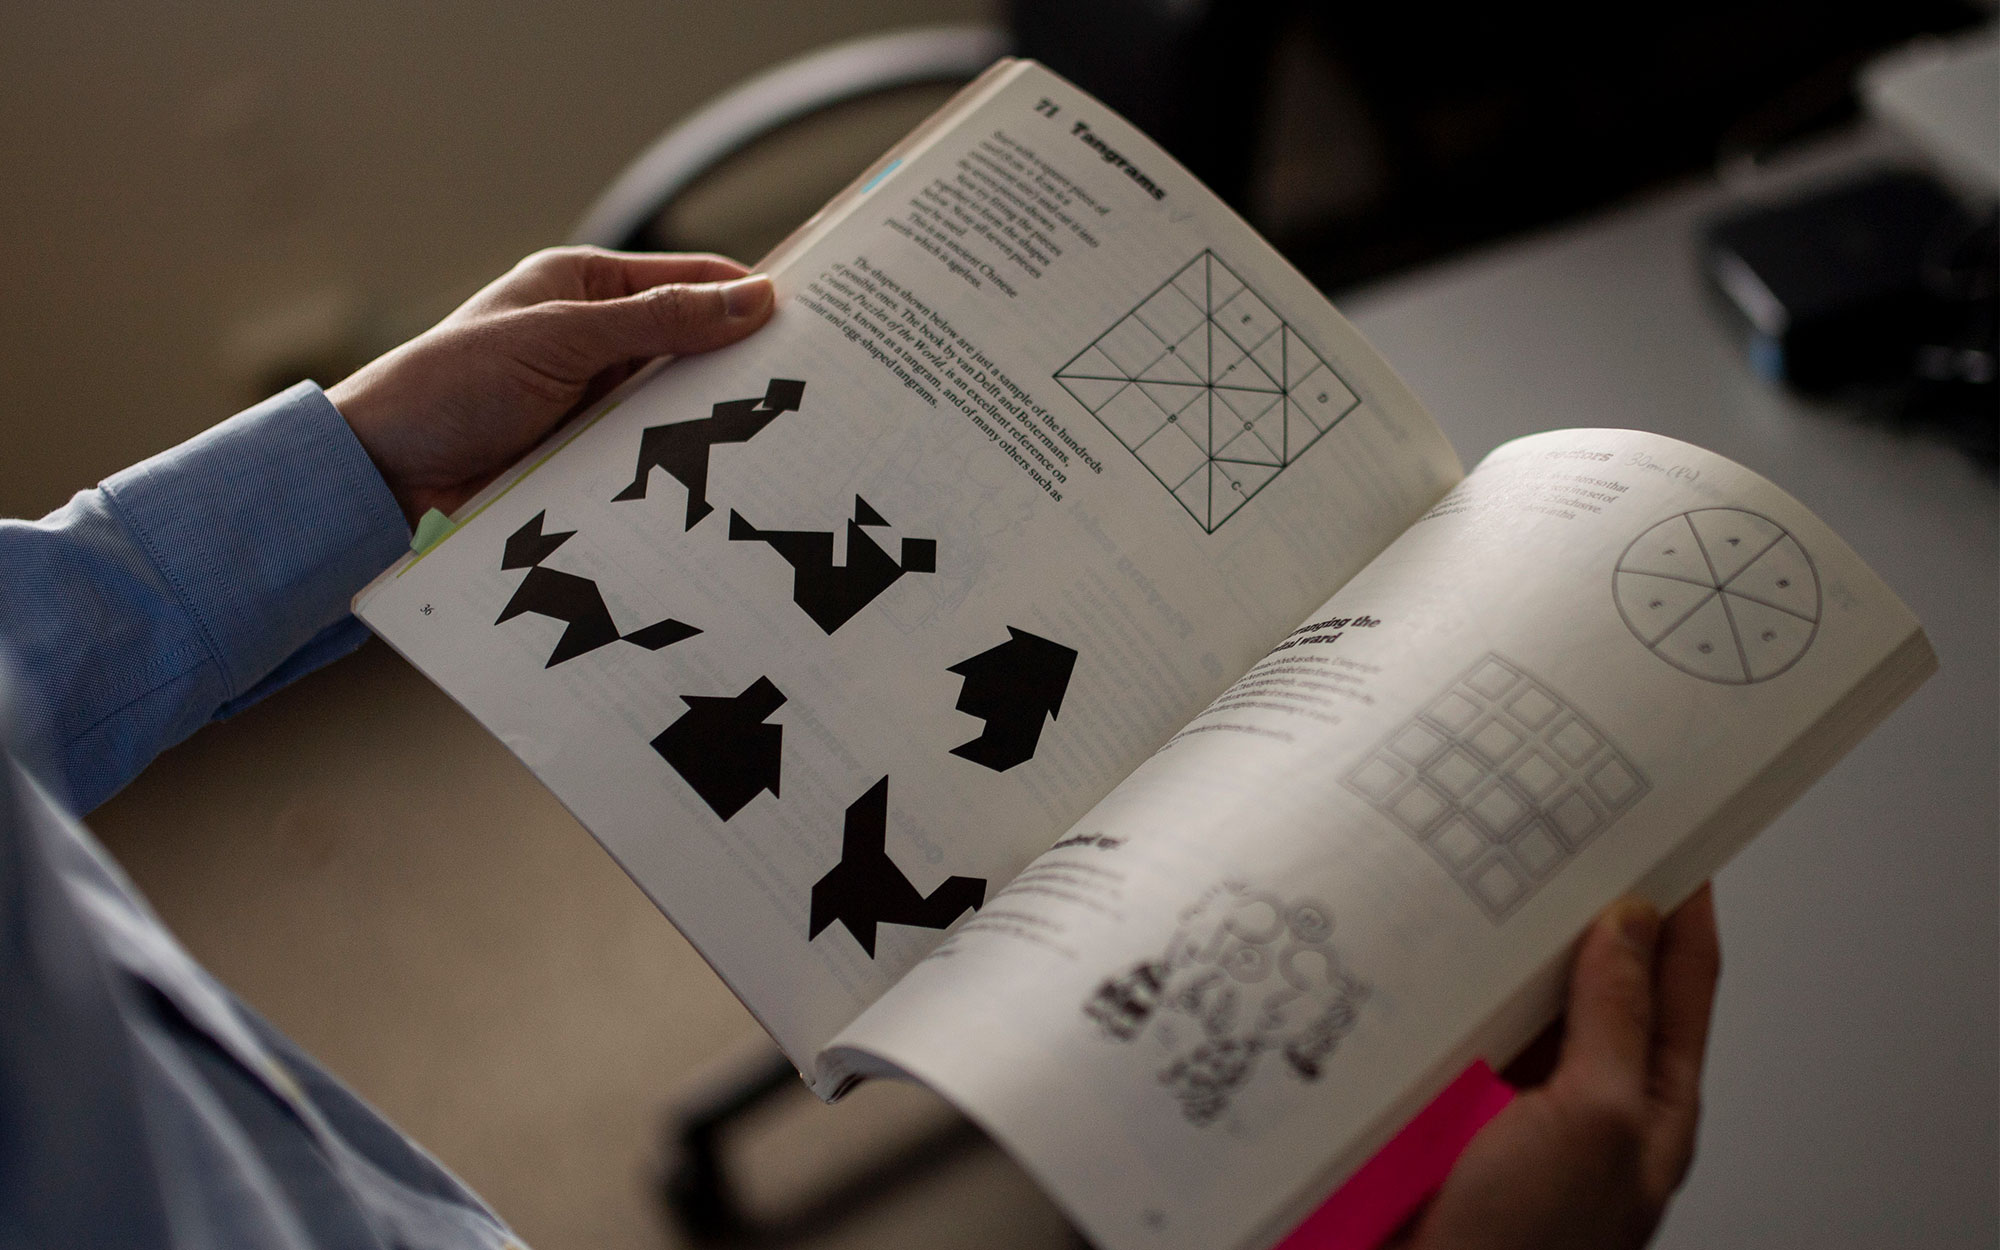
pixel 744 296
pixel 1638 924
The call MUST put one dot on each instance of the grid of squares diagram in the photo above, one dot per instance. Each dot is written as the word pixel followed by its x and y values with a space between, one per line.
pixel 1501 780
pixel 1209 388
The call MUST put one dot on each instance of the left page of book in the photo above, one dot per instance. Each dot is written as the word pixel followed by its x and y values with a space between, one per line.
pixel 827 634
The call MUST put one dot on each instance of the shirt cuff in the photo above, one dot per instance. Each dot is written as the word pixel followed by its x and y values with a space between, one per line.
pixel 265 526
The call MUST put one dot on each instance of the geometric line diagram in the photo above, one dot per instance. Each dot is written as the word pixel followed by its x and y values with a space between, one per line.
pixel 1501 780
pixel 1721 594
pixel 575 601
pixel 1209 388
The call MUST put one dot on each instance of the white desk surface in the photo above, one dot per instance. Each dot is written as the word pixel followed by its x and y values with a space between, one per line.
pixel 1851 1088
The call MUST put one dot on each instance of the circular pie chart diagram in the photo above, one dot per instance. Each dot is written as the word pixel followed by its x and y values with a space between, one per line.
pixel 1720 593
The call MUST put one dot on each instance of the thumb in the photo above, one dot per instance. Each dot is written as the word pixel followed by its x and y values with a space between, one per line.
pixel 584 337
pixel 1609 1034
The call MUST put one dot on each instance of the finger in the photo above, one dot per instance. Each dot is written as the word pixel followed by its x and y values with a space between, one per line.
pixel 1609 1033
pixel 1537 1060
pixel 594 273
pixel 578 339
pixel 1689 966
pixel 613 275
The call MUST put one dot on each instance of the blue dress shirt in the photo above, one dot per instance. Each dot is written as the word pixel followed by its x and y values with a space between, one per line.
pixel 141 1104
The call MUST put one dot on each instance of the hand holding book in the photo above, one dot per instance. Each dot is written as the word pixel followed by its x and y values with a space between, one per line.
pixel 1589 1156
pixel 444 412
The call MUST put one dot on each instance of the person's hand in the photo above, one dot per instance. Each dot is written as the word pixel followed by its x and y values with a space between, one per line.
pixel 1590 1157
pixel 441 415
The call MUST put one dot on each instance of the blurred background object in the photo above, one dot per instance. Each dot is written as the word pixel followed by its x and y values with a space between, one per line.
pixel 1367 140
pixel 1943 93
pixel 1876 290
pixel 206 202
pixel 209 201
pixel 1492 120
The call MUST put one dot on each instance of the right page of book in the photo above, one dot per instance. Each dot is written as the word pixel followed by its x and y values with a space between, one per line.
pixel 1364 864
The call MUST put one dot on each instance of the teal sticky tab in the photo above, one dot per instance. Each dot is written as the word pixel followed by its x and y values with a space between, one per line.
pixel 433 527
pixel 888 169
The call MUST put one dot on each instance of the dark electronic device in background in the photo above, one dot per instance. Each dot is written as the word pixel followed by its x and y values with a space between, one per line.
pixel 1879 288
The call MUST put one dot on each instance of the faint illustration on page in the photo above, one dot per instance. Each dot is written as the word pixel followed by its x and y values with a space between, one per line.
pixel 1246 974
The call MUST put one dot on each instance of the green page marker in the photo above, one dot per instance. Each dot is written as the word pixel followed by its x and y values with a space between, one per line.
pixel 432 528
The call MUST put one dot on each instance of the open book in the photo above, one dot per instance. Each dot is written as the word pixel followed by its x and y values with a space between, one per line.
pixel 1058 661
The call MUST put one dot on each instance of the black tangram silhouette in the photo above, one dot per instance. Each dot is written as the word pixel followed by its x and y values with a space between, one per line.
pixel 866 888
pixel 722 747
pixel 832 594
pixel 573 600
pixel 682 448
pixel 1012 687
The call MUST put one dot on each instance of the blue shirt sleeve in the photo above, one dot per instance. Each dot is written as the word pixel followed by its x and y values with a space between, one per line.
pixel 141 1105
pixel 190 585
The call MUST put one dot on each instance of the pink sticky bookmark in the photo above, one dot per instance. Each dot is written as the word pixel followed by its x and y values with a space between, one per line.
pixel 1395 1182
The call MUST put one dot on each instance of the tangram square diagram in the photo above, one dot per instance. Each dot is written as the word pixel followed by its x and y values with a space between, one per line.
pixel 1210 389
pixel 1501 780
